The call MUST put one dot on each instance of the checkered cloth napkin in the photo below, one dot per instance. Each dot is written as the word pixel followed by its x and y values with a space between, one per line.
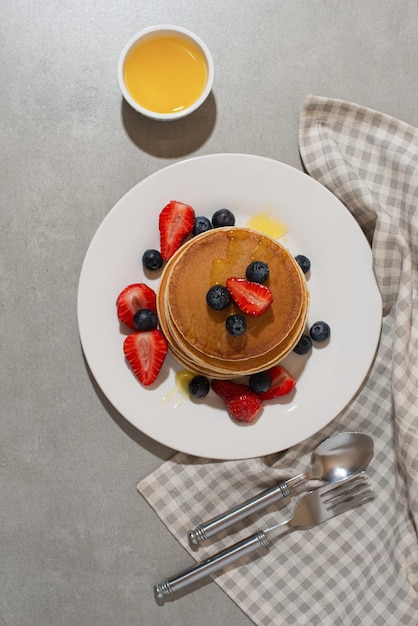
pixel 359 568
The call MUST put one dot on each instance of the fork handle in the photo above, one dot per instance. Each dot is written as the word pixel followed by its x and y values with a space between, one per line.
pixel 211 565
pixel 270 496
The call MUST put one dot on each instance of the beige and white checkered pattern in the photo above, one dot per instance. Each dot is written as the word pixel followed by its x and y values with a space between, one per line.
pixel 361 568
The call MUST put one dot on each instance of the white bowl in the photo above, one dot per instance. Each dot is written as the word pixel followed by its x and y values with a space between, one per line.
pixel 161 31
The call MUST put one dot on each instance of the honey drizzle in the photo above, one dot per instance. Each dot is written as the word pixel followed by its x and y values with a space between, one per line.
pixel 223 268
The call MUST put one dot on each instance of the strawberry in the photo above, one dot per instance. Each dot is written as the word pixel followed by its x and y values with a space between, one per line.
pixel 252 298
pixel 145 353
pixel 176 221
pixel 133 298
pixel 243 405
pixel 282 382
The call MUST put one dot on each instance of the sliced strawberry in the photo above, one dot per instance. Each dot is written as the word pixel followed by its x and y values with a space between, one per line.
pixel 133 298
pixel 245 408
pixel 145 353
pixel 252 298
pixel 176 221
pixel 282 382
pixel 243 405
pixel 227 389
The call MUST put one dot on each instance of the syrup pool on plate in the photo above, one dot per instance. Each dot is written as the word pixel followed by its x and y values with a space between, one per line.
pixel 267 224
pixel 165 73
pixel 180 391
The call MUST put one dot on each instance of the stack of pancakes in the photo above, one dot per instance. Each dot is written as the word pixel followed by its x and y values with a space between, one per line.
pixel 196 333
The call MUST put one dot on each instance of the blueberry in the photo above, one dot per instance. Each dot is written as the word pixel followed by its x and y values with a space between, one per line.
pixel 199 386
pixel 201 225
pixel 257 272
pixel 236 325
pixel 303 262
pixel 223 217
pixel 145 319
pixel 320 331
pixel 259 382
pixel 218 297
pixel 152 260
pixel 304 345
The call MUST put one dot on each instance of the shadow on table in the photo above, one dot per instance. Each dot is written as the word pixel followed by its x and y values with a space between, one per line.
pixel 170 139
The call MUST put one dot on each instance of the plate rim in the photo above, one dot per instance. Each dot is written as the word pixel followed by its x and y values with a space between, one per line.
pixel 116 207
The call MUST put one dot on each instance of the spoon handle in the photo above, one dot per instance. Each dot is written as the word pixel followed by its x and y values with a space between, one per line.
pixel 280 492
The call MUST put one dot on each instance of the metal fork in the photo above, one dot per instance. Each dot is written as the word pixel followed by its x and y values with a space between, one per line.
pixel 313 508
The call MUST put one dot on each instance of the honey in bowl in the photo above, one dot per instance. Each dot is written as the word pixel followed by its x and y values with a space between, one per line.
pixel 165 72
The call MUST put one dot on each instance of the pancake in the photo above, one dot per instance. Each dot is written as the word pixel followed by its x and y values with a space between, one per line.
pixel 218 368
pixel 197 334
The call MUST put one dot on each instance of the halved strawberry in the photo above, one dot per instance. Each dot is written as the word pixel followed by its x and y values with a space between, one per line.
pixel 145 353
pixel 176 221
pixel 131 299
pixel 243 405
pixel 252 298
pixel 282 382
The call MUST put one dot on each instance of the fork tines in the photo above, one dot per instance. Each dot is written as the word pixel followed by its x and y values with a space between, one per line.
pixel 348 494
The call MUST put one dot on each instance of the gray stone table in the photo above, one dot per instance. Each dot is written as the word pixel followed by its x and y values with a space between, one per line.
pixel 78 545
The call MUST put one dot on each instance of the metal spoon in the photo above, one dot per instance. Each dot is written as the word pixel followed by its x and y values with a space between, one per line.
pixel 335 459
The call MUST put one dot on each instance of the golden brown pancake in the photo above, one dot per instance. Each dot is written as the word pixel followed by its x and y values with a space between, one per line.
pixel 219 368
pixel 197 334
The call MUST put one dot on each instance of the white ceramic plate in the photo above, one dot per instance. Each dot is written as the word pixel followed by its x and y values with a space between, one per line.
pixel 341 282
